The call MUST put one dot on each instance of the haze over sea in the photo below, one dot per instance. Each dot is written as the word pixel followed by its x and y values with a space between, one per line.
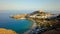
pixel 18 26
pixel 14 7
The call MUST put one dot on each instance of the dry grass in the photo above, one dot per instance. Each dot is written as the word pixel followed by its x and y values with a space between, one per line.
pixel 5 31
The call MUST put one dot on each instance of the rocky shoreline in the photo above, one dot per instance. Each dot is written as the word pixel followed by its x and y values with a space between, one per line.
pixel 42 21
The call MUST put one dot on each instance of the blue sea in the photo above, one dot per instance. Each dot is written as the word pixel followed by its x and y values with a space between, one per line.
pixel 19 26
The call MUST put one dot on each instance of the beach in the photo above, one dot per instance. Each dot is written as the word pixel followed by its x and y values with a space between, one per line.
pixel 32 27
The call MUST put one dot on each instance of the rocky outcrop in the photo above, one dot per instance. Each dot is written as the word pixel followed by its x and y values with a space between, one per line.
pixel 21 16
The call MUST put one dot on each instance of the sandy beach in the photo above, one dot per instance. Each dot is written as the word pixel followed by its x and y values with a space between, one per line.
pixel 33 26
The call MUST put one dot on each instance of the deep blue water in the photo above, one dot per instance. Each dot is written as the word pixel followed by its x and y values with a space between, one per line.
pixel 18 26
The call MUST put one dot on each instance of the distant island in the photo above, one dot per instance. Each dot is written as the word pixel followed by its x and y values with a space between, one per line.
pixel 42 19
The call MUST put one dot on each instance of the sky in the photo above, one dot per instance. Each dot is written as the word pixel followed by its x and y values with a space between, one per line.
pixel 29 4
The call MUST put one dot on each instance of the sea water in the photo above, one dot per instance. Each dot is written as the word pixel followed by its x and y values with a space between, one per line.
pixel 19 26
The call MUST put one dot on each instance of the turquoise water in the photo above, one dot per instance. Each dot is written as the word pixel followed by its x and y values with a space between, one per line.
pixel 18 26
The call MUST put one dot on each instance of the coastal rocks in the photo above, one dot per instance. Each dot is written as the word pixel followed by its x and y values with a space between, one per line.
pixel 52 32
pixel 21 16
pixel 37 30
pixel 44 21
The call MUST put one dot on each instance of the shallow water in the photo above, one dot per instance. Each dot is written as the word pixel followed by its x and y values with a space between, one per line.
pixel 18 26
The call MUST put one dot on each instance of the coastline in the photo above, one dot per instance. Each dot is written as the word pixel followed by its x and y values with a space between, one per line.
pixel 41 18
pixel 32 27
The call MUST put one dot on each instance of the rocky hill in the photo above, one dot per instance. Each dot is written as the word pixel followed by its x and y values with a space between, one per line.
pixel 44 21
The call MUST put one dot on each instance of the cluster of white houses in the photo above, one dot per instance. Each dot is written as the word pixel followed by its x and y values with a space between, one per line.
pixel 41 14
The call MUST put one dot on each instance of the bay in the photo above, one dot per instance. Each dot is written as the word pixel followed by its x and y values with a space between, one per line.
pixel 18 26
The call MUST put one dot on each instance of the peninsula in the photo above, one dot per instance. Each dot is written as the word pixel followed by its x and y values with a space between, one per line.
pixel 42 19
pixel 39 17
pixel 36 14
pixel 21 16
